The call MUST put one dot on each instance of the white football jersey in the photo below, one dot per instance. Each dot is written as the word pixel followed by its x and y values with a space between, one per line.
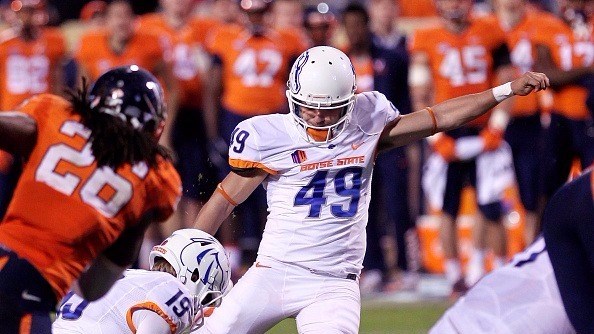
pixel 317 193
pixel 521 297
pixel 159 292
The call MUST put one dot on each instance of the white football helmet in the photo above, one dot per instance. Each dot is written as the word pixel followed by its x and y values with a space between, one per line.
pixel 322 78
pixel 200 262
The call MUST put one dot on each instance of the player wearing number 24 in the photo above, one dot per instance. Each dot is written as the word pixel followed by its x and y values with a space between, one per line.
pixel 94 178
pixel 316 164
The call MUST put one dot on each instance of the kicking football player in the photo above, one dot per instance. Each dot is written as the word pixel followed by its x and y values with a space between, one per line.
pixel 521 297
pixel 94 176
pixel 568 226
pixel 189 275
pixel 316 164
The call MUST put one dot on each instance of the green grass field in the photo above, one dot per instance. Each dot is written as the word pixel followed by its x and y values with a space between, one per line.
pixel 405 318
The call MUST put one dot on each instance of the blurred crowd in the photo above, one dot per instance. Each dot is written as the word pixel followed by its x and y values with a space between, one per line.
pixel 223 61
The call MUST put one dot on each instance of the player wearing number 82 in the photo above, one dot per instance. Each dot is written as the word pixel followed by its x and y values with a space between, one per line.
pixel 93 180
pixel 316 164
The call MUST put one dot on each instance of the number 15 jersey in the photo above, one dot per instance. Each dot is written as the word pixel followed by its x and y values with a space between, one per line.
pixel 317 193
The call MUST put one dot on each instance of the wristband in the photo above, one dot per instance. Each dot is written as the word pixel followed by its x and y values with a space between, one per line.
pixel 502 92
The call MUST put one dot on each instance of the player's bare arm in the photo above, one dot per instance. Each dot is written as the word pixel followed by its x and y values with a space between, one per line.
pixel 544 63
pixel 233 190
pixel 18 132
pixel 455 112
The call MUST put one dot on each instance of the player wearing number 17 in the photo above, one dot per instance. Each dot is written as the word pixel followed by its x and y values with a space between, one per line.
pixel 94 179
pixel 316 164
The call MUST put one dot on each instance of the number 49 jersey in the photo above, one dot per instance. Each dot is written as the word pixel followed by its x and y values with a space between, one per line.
pixel 317 194
pixel 116 312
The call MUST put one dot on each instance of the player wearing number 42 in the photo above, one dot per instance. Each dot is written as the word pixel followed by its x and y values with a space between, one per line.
pixel 94 179
pixel 189 276
pixel 313 245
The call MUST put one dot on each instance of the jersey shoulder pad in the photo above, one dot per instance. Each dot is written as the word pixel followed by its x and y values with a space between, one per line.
pixel 170 299
pixel 256 142
pixel 372 112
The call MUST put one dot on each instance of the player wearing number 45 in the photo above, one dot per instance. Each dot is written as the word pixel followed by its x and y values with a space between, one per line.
pixel 316 164
pixel 93 180
pixel 189 275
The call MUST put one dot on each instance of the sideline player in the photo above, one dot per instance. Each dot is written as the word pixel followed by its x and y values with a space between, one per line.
pixel 315 164
pixel 521 297
pixel 189 275
pixel 94 176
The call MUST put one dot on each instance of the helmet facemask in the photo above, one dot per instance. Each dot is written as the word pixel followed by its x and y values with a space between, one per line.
pixel 322 78
pixel 331 131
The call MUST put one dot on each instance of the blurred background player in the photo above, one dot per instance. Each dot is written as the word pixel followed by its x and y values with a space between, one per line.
pixel 385 70
pixel 94 176
pixel 319 27
pixel 121 43
pixel 524 133
pixel 463 55
pixel 248 77
pixel 569 135
pixel 31 62
pixel 521 297
pixel 190 63
pixel 568 227
pixel 189 275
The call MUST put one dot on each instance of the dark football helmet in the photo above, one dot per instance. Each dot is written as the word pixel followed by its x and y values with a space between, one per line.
pixel 132 94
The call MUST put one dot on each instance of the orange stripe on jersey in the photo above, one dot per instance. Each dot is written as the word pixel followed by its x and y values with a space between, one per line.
pixel 242 164
pixel 592 183
pixel 3 261
pixel 25 325
pixel 150 306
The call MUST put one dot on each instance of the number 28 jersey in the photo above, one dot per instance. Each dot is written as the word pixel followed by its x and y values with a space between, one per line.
pixel 138 290
pixel 69 207
pixel 317 194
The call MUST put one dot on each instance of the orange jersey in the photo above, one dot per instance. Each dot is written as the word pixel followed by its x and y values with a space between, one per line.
pixel 460 63
pixel 65 211
pixel 188 56
pixel 146 49
pixel 27 67
pixel 568 51
pixel 364 73
pixel 523 54
pixel 255 69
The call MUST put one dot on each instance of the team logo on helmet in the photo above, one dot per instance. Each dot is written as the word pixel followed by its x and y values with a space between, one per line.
pixel 299 63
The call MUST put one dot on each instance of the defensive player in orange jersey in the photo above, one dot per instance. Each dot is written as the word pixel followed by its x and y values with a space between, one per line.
pixel 248 77
pixel 524 133
pixel 31 59
pixel 566 52
pixel 94 179
pixel 190 63
pixel 463 55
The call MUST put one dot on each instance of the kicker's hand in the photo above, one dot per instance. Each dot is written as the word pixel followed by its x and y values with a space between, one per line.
pixel 529 82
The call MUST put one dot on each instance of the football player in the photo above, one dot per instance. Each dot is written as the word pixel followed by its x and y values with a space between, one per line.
pixel 189 275
pixel 559 54
pixel 521 297
pixel 568 226
pixel 190 63
pixel 31 62
pixel 316 164
pixel 94 179
pixel 464 55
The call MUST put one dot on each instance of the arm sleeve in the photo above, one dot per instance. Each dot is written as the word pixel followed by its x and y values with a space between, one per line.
pixel 568 226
